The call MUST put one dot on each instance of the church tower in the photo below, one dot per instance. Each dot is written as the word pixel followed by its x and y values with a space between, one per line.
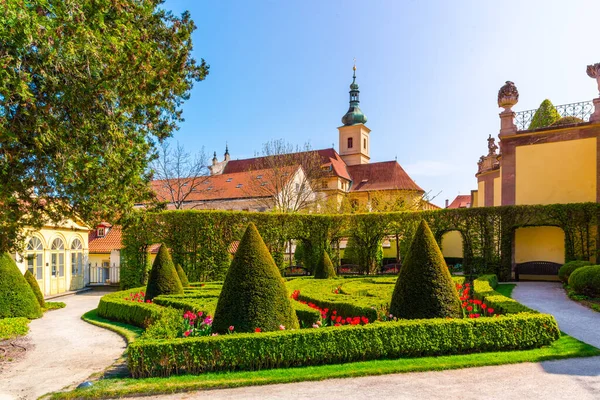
pixel 354 135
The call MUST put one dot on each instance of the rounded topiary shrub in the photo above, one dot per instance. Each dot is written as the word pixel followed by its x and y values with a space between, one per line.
pixel 254 294
pixel 586 281
pixel 163 277
pixel 424 288
pixel 35 287
pixel 16 296
pixel 182 276
pixel 324 269
pixel 567 269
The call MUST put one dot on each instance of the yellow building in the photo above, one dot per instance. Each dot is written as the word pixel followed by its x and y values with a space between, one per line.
pixel 57 255
pixel 557 163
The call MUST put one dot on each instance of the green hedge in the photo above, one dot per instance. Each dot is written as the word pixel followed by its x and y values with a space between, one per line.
pixel 200 240
pixel 407 338
pixel 114 306
pixel 483 289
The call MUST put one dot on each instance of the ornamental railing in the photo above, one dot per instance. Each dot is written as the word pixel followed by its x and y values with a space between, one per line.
pixel 581 110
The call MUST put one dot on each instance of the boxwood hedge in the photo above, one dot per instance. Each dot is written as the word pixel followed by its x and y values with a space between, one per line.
pixel 405 338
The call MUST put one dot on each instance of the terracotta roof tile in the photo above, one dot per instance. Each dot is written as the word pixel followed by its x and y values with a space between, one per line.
pixel 388 175
pixel 329 157
pixel 238 185
pixel 105 244
pixel 461 201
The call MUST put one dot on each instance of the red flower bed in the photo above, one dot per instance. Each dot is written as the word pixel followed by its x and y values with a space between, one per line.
pixel 137 297
pixel 330 317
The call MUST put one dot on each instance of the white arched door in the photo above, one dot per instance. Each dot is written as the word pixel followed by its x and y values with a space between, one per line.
pixel 57 267
pixel 76 264
pixel 34 253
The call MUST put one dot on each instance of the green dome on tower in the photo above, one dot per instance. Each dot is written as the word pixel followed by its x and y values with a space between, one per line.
pixel 354 115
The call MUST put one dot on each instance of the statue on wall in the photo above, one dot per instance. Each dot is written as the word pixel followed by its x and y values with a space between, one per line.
pixel 492 146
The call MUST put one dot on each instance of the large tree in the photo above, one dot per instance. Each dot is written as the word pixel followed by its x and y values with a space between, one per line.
pixel 86 89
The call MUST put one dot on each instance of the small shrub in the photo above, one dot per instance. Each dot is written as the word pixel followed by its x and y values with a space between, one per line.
pixel 567 269
pixel 35 287
pixel 16 296
pixel 182 276
pixel 254 294
pixel 586 281
pixel 545 115
pixel 424 288
pixel 11 327
pixel 163 276
pixel 324 268
pixel 567 121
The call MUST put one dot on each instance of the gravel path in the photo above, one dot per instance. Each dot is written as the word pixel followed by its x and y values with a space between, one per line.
pixel 577 378
pixel 66 351
pixel 573 318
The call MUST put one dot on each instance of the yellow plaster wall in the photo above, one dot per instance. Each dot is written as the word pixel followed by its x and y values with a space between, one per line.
pixel 480 194
pixel 498 191
pixel 67 232
pixel 452 244
pixel 540 243
pixel 561 172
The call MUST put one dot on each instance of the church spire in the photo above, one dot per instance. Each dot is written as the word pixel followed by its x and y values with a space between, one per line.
pixel 354 115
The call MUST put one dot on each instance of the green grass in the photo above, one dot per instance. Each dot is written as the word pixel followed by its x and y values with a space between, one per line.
pixel 505 289
pixel 565 347
pixel 13 327
pixel 128 332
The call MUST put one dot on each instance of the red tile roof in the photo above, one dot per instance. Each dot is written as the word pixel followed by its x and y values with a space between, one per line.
pixel 238 185
pixel 329 157
pixel 388 175
pixel 461 201
pixel 111 241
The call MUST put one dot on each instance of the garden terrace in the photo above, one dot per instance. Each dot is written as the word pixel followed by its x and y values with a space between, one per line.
pixel 160 352
pixel 200 240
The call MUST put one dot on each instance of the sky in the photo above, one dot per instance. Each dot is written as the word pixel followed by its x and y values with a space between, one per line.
pixel 429 74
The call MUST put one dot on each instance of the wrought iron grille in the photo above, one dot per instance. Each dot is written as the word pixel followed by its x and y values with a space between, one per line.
pixel 581 110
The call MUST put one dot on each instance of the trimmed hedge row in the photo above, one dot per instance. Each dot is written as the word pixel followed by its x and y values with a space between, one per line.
pixel 483 289
pixel 406 338
pixel 114 306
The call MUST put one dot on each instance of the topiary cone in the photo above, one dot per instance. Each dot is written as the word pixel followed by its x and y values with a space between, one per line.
pixel 16 296
pixel 163 276
pixel 182 276
pixel 324 268
pixel 424 288
pixel 545 115
pixel 35 287
pixel 254 294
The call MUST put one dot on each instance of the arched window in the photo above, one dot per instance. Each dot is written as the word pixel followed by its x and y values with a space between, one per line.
pixel 76 257
pixel 35 257
pixel 349 142
pixel 57 258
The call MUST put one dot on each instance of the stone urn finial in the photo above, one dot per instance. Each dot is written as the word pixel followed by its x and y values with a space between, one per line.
pixel 508 96
pixel 593 71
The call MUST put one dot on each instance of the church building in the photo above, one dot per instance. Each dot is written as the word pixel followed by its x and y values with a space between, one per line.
pixel 349 177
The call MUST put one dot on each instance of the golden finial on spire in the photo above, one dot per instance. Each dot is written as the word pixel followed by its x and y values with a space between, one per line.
pixel 354 67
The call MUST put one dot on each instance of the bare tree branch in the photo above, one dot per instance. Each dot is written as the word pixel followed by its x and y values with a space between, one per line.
pixel 180 173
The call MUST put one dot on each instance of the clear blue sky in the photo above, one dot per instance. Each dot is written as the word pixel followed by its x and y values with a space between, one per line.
pixel 429 74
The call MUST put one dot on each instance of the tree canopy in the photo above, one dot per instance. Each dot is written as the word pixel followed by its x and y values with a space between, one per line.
pixel 87 87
